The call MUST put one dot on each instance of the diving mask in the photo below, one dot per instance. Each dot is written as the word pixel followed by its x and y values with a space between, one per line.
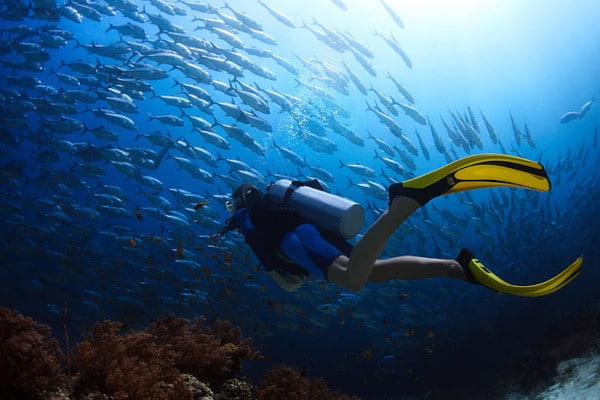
pixel 238 197
pixel 230 205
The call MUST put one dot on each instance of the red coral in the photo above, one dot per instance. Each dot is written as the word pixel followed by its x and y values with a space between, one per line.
pixel 30 358
pixel 140 365
pixel 148 364
pixel 130 366
pixel 283 382
pixel 286 382
pixel 212 354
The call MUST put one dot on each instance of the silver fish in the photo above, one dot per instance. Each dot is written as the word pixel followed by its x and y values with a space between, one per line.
pixel 280 16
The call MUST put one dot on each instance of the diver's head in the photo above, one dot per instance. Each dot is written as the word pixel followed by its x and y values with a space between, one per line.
pixel 239 197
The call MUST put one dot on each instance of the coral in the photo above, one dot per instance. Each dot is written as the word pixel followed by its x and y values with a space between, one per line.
pixel 286 382
pixel 130 366
pixel 283 381
pixel 200 390
pixel 30 358
pixel 172 358
pixel 212 354
pixel 149 364
pixel 236 389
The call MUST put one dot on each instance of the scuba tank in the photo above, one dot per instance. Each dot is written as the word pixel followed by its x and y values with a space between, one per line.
pixel 325 210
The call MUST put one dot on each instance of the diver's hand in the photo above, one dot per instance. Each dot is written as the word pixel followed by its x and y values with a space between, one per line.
pixel 290 283
pixel 242 220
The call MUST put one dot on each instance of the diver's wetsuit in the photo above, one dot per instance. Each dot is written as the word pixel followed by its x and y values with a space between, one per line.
pixel 283 240
pixel 313 249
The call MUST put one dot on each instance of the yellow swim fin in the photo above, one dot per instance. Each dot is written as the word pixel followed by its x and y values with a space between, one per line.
pixel 473 172
pixel 477 273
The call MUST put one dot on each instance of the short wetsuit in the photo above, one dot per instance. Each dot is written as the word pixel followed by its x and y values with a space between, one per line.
pixel 312 249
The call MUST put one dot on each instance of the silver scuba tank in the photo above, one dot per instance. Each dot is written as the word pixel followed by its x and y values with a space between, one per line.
pixel 325 210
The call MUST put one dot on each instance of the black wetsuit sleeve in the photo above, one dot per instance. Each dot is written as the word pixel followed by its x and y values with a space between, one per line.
pixel 259 241
pixel 261 249
pixel 269 259
pixel 229 226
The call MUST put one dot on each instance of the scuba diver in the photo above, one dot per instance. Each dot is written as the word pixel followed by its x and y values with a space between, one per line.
pixel 296 228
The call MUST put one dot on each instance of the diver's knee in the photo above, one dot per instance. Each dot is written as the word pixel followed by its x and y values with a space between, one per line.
pixel 337 272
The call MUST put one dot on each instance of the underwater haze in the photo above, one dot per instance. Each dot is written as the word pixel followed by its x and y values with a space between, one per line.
pixel 125 126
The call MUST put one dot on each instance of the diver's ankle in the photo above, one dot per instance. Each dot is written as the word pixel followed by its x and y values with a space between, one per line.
pixel 456 271
pixel 404 203
pixel 398 189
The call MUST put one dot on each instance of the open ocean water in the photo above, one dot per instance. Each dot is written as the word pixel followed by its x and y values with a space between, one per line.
pixel 126 124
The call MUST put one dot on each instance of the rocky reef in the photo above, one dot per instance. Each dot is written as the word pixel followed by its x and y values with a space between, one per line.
pixel 564 359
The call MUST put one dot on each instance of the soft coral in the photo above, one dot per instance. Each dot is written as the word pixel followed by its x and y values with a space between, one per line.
pixel 149 364
pixel 129 366
pixel 30 358
pixel 287 382
pixel 212 354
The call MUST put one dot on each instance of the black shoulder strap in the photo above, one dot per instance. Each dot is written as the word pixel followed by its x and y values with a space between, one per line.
pixel 288 192
pixel 313 183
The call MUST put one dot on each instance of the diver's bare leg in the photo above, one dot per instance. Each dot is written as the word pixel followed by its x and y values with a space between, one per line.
pixel 353 273
pixel 412 267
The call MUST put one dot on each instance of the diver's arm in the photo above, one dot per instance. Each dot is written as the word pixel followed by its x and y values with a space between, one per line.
pixel 253 237
pixel 290 283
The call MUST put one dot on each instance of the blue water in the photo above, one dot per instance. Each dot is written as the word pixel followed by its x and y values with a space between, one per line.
pixel 498 58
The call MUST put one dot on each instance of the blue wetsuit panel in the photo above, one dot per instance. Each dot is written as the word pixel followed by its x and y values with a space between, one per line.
pixel 307 247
